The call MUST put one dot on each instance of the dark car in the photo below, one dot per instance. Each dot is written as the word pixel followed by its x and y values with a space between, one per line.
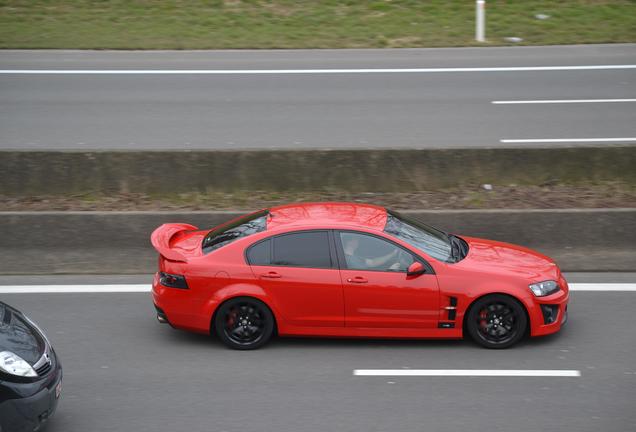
pixel 30 373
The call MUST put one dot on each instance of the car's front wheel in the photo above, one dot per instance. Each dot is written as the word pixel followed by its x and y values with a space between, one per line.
pixel 496 321
pixel 244 323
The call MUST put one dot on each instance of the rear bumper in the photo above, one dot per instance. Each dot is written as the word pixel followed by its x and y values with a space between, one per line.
pixel 179 307
pixel 33 412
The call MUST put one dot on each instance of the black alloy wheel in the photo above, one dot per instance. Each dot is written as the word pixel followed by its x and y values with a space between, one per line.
pixel 244 323
pixel 496 321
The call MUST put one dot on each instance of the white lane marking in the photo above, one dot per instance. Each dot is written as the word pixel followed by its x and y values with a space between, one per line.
pixel 563 140
pixel 46 289
pixel 124 288
pixel 468 372
pixel 602 287
pixel 560 101
pixel 307 71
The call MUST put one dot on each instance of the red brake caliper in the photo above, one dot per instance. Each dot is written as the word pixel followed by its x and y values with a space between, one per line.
pixel 231 319
pixel 482 319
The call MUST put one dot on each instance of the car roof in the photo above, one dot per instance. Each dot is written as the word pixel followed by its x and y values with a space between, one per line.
pixel 328 213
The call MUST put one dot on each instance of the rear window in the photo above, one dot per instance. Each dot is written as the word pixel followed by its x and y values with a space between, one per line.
pixel 243 227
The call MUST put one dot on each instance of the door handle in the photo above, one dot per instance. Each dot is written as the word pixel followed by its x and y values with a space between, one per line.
pixel 357 279
pixel 271 275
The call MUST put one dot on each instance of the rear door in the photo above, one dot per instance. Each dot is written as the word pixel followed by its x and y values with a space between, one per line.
pixel 377 290
pixel 300 273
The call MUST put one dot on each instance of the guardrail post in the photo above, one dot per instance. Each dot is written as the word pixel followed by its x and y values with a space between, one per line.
pixel 480 25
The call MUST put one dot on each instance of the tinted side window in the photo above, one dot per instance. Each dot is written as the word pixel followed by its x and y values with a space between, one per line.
pixel 365 252
pixel 259 254
pixel 304 249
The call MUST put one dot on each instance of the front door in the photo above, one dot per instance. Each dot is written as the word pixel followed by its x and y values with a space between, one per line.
pixel 377 290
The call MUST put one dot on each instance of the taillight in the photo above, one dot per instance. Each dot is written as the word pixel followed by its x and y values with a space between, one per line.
pixel 173 280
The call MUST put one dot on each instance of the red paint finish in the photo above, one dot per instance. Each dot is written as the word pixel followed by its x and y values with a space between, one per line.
pixel 390 300
pixel 306 297
pixel 343 214
pixel 339 302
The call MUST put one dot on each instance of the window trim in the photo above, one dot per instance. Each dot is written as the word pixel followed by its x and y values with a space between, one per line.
pixel 333 257
pixel 343 263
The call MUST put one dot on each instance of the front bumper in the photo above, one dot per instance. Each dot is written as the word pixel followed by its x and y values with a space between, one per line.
pixel 558 300
pixel 31 413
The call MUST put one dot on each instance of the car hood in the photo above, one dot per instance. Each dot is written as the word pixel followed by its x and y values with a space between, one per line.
pixel 500 257
pixel 19 336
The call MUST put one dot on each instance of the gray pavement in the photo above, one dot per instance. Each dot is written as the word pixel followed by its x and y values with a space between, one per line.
pixel 124 371
pixel 154 112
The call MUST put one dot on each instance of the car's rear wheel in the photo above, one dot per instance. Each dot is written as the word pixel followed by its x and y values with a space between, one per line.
pixel 496 321
pixel 244 323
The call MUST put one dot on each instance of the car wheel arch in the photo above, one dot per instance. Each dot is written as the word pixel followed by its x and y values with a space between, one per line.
pixel 231 290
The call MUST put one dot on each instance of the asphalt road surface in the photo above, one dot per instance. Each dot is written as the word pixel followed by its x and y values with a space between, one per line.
pixel 238 109
pixel 123 371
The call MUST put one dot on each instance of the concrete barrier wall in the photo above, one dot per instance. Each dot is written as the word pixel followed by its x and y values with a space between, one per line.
pixel 44 173
pixel 118 242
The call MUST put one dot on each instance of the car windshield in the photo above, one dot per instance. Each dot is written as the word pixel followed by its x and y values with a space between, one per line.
pixel 432 241
pixel 242 227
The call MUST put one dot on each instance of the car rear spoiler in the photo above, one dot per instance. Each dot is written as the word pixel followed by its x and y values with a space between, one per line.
pixel 160 239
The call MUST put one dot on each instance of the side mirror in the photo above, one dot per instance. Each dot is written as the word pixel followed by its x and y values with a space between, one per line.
pixel 415 269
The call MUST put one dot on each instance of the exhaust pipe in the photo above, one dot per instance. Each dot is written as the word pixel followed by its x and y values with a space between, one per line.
pixel 161 316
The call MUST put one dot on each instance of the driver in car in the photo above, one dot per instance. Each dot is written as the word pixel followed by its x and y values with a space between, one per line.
pixel 357 262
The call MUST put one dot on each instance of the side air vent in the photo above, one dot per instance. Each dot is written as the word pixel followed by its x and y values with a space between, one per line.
pixel 452 308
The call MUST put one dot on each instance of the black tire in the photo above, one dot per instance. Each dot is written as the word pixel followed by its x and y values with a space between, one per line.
pixel 496 321
pixel 244 323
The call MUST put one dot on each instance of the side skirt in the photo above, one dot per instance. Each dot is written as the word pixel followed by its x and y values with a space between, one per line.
pixel 389 333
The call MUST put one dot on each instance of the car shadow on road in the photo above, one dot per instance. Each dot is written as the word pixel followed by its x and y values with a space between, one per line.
pixel 181 337
pixel 184 338
pixel 314 342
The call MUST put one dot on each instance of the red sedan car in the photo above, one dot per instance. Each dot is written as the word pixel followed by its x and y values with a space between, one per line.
pixel 351 270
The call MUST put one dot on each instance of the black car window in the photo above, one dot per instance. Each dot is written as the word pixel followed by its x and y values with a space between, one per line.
pixel 260 253
pixel 303 249
pixel 241 227
pixel 366 252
